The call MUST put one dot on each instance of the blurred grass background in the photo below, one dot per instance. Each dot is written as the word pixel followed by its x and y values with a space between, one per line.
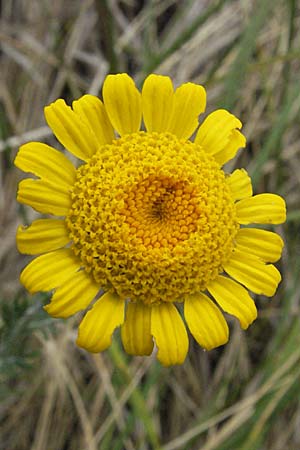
pixel 243 396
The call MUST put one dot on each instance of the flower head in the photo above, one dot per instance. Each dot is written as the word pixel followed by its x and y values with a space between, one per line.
pixel 148 220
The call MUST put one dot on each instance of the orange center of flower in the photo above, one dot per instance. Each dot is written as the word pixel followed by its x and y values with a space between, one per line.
pixel 152 217
pixel 161 212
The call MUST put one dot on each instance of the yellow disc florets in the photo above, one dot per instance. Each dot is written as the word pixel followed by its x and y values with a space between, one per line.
pixel 152 217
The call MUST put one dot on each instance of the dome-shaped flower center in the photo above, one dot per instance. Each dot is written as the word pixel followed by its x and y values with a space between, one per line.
pixel 152 217
pixel 161 211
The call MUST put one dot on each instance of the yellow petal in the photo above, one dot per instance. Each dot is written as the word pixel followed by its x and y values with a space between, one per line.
pixel 257 276
pixel 123 103
pixel 205 321
pixel 236 141
pixel 217 134
pixel 46 197
pixel 261 208
pixel 135 331
pixel 233 299
pixel 264 244
pixel 169 333
pixel 48 271
pixel 96 329
pixel 157 100
pixel 91 110
pixel 46 163
pixel 189 102
pixel 71 131
pixel 43 235
pixel 240 185
pixel 75 293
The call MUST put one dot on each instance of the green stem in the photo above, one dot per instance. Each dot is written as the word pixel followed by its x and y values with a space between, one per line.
pixel 182 38
pixel 108 33
pixel 136 400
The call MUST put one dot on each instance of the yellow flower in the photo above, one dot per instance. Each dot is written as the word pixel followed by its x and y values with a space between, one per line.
pixel 148 219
